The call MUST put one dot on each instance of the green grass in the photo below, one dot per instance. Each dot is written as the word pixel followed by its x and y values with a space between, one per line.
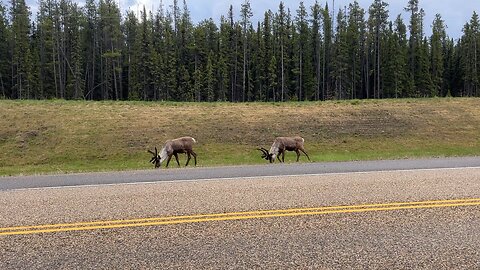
pixel 59 136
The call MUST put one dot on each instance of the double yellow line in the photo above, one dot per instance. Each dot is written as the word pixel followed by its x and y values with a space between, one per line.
pixel 141 222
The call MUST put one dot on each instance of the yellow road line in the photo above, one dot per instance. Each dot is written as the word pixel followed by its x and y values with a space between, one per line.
pixel 234 216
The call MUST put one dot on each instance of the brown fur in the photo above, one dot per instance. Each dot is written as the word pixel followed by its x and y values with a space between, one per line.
pixel 282 144
pixel 175 147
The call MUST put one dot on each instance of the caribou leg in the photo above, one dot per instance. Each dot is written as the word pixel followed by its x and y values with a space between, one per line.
pixel 168 160
pixel 194 157
pixel 305 154
pixel 188 159
pixel 298 154
pixel 176 157
pixel 278 157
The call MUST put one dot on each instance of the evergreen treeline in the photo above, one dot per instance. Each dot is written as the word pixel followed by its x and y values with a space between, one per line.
pixel 312 53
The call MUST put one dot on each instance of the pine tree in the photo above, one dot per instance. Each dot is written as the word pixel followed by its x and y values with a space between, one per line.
pixel 225 65
pixel 341 56
pixel 268 43
pixel 45 49
pixel 246 14
pixel 469 49
pixel 402 85
pixel 21 55
pixel 472 50
pixel 251 64
pixel 4 55
pixel 35 74
pixel 198 84
pixel 423 78
pixel 145 62
pixel 378 25
pixel 355 39
pixel 111 41
pixel 437 51
pixel 281 24
pixel 305 80
pixel 73 53
pixel 92 51
pixel 130 62
pixel 327 54
pixel 450 77
pixel 415 41
pixel 258 64
pixel 389 63
pixel 171 60
pixel 272 72
pixel 222 78
pixel 231 32
pixel 184 47
pixel 156 52
pixel 200 54
pixel 316 45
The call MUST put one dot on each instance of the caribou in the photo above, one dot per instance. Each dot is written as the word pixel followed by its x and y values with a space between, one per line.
pixel 282 144
pixel 173 148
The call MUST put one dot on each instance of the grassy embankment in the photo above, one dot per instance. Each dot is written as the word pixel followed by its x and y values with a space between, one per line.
pixel 76 136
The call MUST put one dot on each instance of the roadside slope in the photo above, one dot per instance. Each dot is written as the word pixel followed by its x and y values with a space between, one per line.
pixel 73 136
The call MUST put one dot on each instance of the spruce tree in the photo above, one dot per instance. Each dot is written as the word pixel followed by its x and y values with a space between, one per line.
pixel 414 42
pixel 437 51
pixel 304 75
pixel 171 60
pixel 355 39
pixel 246 14
pixel 4 55
pixel 316 48
pixel 402 85
pixel 327 54
pixel 21 63
pixel 268 43
pixel 341 57
pixel 209 78
pixel 281 29
pixel 91 53
pixel 377 24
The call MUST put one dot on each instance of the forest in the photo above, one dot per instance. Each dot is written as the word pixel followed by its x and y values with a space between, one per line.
pixel 99 52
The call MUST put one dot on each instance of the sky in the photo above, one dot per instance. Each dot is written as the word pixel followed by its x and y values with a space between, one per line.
pixel 454 12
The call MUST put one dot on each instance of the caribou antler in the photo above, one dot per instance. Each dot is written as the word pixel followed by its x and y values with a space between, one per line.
pixel 155 156
pixel 265 152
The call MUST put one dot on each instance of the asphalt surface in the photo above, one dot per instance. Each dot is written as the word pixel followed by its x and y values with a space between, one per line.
pixel 443 237
pixel 189 173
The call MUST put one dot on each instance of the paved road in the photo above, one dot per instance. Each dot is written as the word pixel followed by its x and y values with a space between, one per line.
pixel 41 181
pixel 398 218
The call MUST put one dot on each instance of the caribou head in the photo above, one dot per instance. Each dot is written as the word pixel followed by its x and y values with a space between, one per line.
pixel 156 158
pixel 266 155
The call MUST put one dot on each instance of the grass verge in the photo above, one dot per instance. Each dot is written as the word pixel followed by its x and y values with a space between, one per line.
pixel 78 136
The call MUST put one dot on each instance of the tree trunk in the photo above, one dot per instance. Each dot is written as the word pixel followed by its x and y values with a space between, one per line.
pixel 300 79
pixel 283 82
